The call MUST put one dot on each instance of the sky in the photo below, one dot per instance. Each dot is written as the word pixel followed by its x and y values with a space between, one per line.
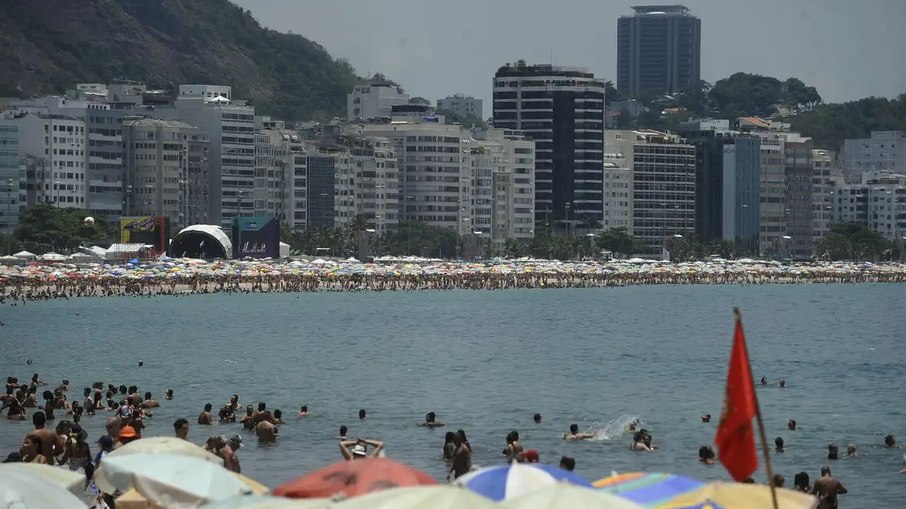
pixel 847 49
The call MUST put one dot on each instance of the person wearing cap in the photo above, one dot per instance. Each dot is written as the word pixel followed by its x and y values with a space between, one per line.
pixel 531 456
pixel 128 434
pixel 357 449
pixel 228 452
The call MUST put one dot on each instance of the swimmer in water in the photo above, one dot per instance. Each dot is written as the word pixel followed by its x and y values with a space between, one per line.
pixel 358 449
pixel 778 445
pixel 575 435
pixel 791 424
pixel 362 414
pixel 343 430
pixel 851 451
pixel 706 418
pixel 764 380
pixel 782 382
pixel 706 455
pixel 890 441
pixel 303 411
pixel 537 418
pixel 638 443
pixel 430 421
pixel 832 451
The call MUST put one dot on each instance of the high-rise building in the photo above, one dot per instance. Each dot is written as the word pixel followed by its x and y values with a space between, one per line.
pixel 562 110
pixel 883 151
pixel 727 169
pixel 230 127
pixel 10 177
pixel 663 184
pixel 461 105
pixel 62 140
pixel 376 182
pixel 503 185
pixel 617 188
pixel 658 50
pixel 827 176
pixel 434 172
pixel 157 168
pixel 879 202
pixel 374 100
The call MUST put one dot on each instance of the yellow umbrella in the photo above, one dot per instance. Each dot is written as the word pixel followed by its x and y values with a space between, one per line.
pixel 729 495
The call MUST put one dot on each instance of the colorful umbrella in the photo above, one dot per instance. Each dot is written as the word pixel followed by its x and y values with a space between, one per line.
pixel 419 497
pixel 729 495
pixel 503 482
pixel 563 495
pixel 353 478
pixel 648 490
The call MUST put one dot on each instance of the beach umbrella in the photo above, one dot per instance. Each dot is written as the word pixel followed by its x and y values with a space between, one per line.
pixel 23 490
pixel 73 482
pixel 560 495
pixel 267 502
pixel 169 480
pixel 353 478
pixel 169 445
pixel 132 499
pixel 419 497
pixel 649 490
pixel 730 495
pixel 503 482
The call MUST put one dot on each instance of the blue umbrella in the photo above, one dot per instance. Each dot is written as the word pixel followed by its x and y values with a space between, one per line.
pixel 507 481
pixel 134 261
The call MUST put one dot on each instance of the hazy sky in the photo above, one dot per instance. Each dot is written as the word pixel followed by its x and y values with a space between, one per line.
pixel 846 48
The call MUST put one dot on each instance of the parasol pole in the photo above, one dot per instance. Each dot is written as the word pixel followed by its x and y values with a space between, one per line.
pixel 764 441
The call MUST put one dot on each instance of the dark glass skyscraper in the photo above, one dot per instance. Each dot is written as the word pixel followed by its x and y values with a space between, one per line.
pixel 562 109
pixel 658 50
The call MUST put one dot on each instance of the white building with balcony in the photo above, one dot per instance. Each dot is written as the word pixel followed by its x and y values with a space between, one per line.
pixel 883 151
pixel 374 100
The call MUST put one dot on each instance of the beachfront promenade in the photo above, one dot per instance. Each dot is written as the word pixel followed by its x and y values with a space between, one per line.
pixel 189 276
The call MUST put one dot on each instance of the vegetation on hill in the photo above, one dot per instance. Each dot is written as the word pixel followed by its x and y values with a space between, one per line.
pixel 165 43
pixel 830 124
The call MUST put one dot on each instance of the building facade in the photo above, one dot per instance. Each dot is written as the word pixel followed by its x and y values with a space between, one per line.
pixel 374 100
pixel 827 176
pixel 878 202
pixel 663 179
pixel 63 141
pixel 562 110
pixel 882 151
pixel 741 193
pixel 230 127
pixel 157 168
pixel 658 50
pixel 10 177
pixel 617 188
pixel 503 187
pixel 435 168
pixel 462 106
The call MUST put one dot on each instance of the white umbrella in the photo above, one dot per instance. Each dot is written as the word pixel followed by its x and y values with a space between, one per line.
pixel 20 490
pixel 71 481
pixel 566 495
pixel 169 480
pixel 169 445
pixel 25 254
pixel 417 497
pixel 268 502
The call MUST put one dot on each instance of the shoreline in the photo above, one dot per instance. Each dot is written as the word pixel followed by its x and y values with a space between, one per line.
pixel 184 277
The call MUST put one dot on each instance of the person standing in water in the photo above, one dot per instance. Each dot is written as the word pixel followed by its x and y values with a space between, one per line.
pixel 575 435
pixel 826 489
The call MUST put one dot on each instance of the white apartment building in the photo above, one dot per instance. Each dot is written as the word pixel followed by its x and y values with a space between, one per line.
pixel 461 105
pixel 879 202
pixel 663 184
pixel 230 127
pixel 374 100
pixel 375 185
pixel 617 188
pixel 826 178
pixel 435 169
pixel 62 141
pixel 883 151
pixel 503 185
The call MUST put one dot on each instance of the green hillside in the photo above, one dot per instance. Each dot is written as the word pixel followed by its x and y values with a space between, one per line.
pixel 52 44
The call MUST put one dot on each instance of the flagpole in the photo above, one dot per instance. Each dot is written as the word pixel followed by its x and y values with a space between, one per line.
pixel 764 440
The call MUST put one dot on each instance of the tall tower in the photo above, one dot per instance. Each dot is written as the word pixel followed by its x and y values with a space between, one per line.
pixel 658 50
pixel 562 109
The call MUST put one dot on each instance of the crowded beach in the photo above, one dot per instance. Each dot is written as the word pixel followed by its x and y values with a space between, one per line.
pixel 50 277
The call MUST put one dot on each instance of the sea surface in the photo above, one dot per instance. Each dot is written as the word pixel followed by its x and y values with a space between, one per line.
pixel 486 362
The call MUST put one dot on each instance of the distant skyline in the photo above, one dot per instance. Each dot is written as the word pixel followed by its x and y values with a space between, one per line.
pixel 846 49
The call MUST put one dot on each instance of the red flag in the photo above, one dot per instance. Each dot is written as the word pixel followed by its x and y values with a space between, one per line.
pixel 735 437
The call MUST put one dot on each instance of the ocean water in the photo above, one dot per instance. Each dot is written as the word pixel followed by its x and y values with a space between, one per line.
pixel 486 362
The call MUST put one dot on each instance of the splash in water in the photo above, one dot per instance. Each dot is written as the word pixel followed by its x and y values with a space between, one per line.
pixel 614 428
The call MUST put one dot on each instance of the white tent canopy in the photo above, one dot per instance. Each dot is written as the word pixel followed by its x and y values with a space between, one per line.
pixel 25 254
